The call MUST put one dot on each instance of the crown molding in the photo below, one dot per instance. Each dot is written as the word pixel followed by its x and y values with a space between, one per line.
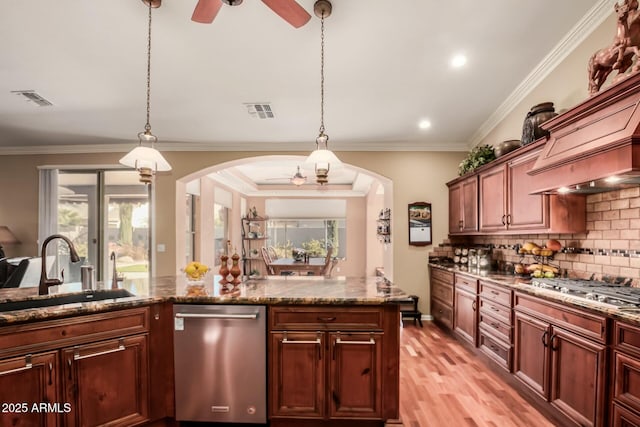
pixel 594 17
pixel 247 146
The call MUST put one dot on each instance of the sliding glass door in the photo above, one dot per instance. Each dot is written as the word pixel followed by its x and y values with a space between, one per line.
pixel 105 212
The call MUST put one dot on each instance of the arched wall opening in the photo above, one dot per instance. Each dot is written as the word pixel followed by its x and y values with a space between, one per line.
pixel 221 184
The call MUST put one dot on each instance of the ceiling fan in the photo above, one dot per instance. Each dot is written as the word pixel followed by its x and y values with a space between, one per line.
pixel 297 179
pixel 289 10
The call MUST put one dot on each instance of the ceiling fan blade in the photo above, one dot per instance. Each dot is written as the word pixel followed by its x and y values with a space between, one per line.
pixel 290 11
pixel 206 11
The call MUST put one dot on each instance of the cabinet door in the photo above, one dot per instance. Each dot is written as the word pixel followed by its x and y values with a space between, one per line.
pixel 463 206
pixel 455 208
pixel 355 373
pixel 493 187
pixel 577 377
pixel 525 211
pixel 296 380
pixel 465 315
pixel 28 381
pixel 107 382
pixel 531 352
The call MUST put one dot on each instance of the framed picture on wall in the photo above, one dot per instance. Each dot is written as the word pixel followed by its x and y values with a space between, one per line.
pixel 419 224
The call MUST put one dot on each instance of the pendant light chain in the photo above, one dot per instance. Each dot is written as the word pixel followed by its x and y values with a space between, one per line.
pixel 322 74
pixel 147 127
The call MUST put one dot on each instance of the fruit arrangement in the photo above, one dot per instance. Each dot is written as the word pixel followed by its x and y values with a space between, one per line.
pixel 195 270
pixel 541 268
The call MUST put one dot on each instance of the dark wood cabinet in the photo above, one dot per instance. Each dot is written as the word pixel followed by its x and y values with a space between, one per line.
pixel 499 195
pixel 355 375
pixel 441 296
pixel 625 393
pixel 93 367
pixel 560 354
pixel 465 308
pixel 107 382
pixel 463 206
pixel 26 383
pixel 495 323
pixel 333 363
pixel 297 374
pixel 506 205
pixel 505 202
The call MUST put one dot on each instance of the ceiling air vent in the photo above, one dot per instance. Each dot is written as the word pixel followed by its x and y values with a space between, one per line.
pixel 260 110
pixel 33 96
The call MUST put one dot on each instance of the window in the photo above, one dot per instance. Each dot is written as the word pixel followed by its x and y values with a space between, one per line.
pixel 221 229
pixel 312 235
pixel 190 240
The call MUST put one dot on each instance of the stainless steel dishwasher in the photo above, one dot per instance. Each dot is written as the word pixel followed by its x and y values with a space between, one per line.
pixel 220 363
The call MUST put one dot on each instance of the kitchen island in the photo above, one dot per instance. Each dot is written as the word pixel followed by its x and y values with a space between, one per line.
pixel 112 360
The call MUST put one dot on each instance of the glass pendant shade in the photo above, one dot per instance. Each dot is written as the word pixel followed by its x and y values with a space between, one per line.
pixel 146 157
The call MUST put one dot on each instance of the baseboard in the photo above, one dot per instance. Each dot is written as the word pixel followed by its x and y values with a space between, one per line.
pixel 427 317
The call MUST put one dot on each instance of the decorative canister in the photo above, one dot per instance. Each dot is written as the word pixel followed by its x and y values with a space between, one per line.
pixel 538 114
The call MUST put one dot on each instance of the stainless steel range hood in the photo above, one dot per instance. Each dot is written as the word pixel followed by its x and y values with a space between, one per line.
pixel 595 146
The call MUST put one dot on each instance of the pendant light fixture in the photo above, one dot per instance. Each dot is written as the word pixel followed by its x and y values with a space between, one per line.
pixel 146 159
pixel 322 158
pixel 298 179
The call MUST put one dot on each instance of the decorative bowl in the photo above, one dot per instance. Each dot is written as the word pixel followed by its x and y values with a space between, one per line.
pixel 506 147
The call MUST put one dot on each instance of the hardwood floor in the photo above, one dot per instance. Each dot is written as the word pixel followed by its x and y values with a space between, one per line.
pixel 443 383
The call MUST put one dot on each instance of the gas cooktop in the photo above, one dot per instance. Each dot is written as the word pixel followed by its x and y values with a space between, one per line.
pixel 602 293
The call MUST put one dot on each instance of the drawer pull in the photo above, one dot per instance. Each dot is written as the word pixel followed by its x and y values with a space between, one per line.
pixel 544 338
pixel 26 367
pixel 370 342
pixel 327 319
pixel 495 325
pixel 493 347
pixel 473 306
pixel 494 309
pixel 77 356
pixel 286 341
pixel 495 292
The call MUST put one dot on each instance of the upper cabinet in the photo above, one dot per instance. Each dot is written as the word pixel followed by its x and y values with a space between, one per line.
pixel 506 205
pixel 463 206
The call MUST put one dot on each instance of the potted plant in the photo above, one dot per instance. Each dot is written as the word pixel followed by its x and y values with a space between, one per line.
pixel 478 156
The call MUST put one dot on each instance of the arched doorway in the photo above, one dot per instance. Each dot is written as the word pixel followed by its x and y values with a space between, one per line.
pixel 215 198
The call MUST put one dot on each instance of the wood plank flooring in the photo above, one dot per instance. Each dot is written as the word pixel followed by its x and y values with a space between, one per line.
pixel 444 384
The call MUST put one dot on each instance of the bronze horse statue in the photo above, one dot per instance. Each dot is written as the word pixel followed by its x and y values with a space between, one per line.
pixel 620 55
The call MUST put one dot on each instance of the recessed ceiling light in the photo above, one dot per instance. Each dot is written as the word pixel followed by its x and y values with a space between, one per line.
pixel 563 190
pixel 424 124
pixel 458 60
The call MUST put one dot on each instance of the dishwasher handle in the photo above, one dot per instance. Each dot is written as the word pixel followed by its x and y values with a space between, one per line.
pixel 216 316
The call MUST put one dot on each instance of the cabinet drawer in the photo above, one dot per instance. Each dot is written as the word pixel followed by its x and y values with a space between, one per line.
pixel 497 350
pixel 495 326
pixel 73 330
pixel 622 417
pixel 626 384
pixel 442 275
pixel 442 313
pixel 587 324
pixel 496 310
pixel 467 283
pixel 497 293
pixel 627 338
pixel 329 318
pixel 442 291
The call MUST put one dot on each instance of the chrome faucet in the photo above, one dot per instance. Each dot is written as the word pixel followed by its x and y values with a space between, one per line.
pixel 43 288
pixel 115 278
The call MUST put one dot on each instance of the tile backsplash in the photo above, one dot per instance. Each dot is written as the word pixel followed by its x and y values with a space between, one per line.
pixel 609 250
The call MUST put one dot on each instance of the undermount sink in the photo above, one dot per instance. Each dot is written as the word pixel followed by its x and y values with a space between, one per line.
pixel 97 295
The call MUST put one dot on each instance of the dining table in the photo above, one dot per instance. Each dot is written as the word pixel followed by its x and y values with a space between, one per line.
pixel 314 266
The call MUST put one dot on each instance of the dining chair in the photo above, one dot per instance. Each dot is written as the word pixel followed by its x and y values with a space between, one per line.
pixel 4 266
pixel 328 269
pixel 273 255
pixel 267 260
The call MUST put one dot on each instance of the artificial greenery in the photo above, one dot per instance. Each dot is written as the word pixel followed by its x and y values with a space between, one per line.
pixel 478 156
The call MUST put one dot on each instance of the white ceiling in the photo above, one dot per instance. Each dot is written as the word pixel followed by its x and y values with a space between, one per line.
pixel 386 68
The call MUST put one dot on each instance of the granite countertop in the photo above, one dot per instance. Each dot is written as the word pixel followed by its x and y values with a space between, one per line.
pixel 523 284
pixel 269 291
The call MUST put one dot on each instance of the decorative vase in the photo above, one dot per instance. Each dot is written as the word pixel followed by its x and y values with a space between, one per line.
pixel 224 270
pixel 538 114
pixel 235 270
